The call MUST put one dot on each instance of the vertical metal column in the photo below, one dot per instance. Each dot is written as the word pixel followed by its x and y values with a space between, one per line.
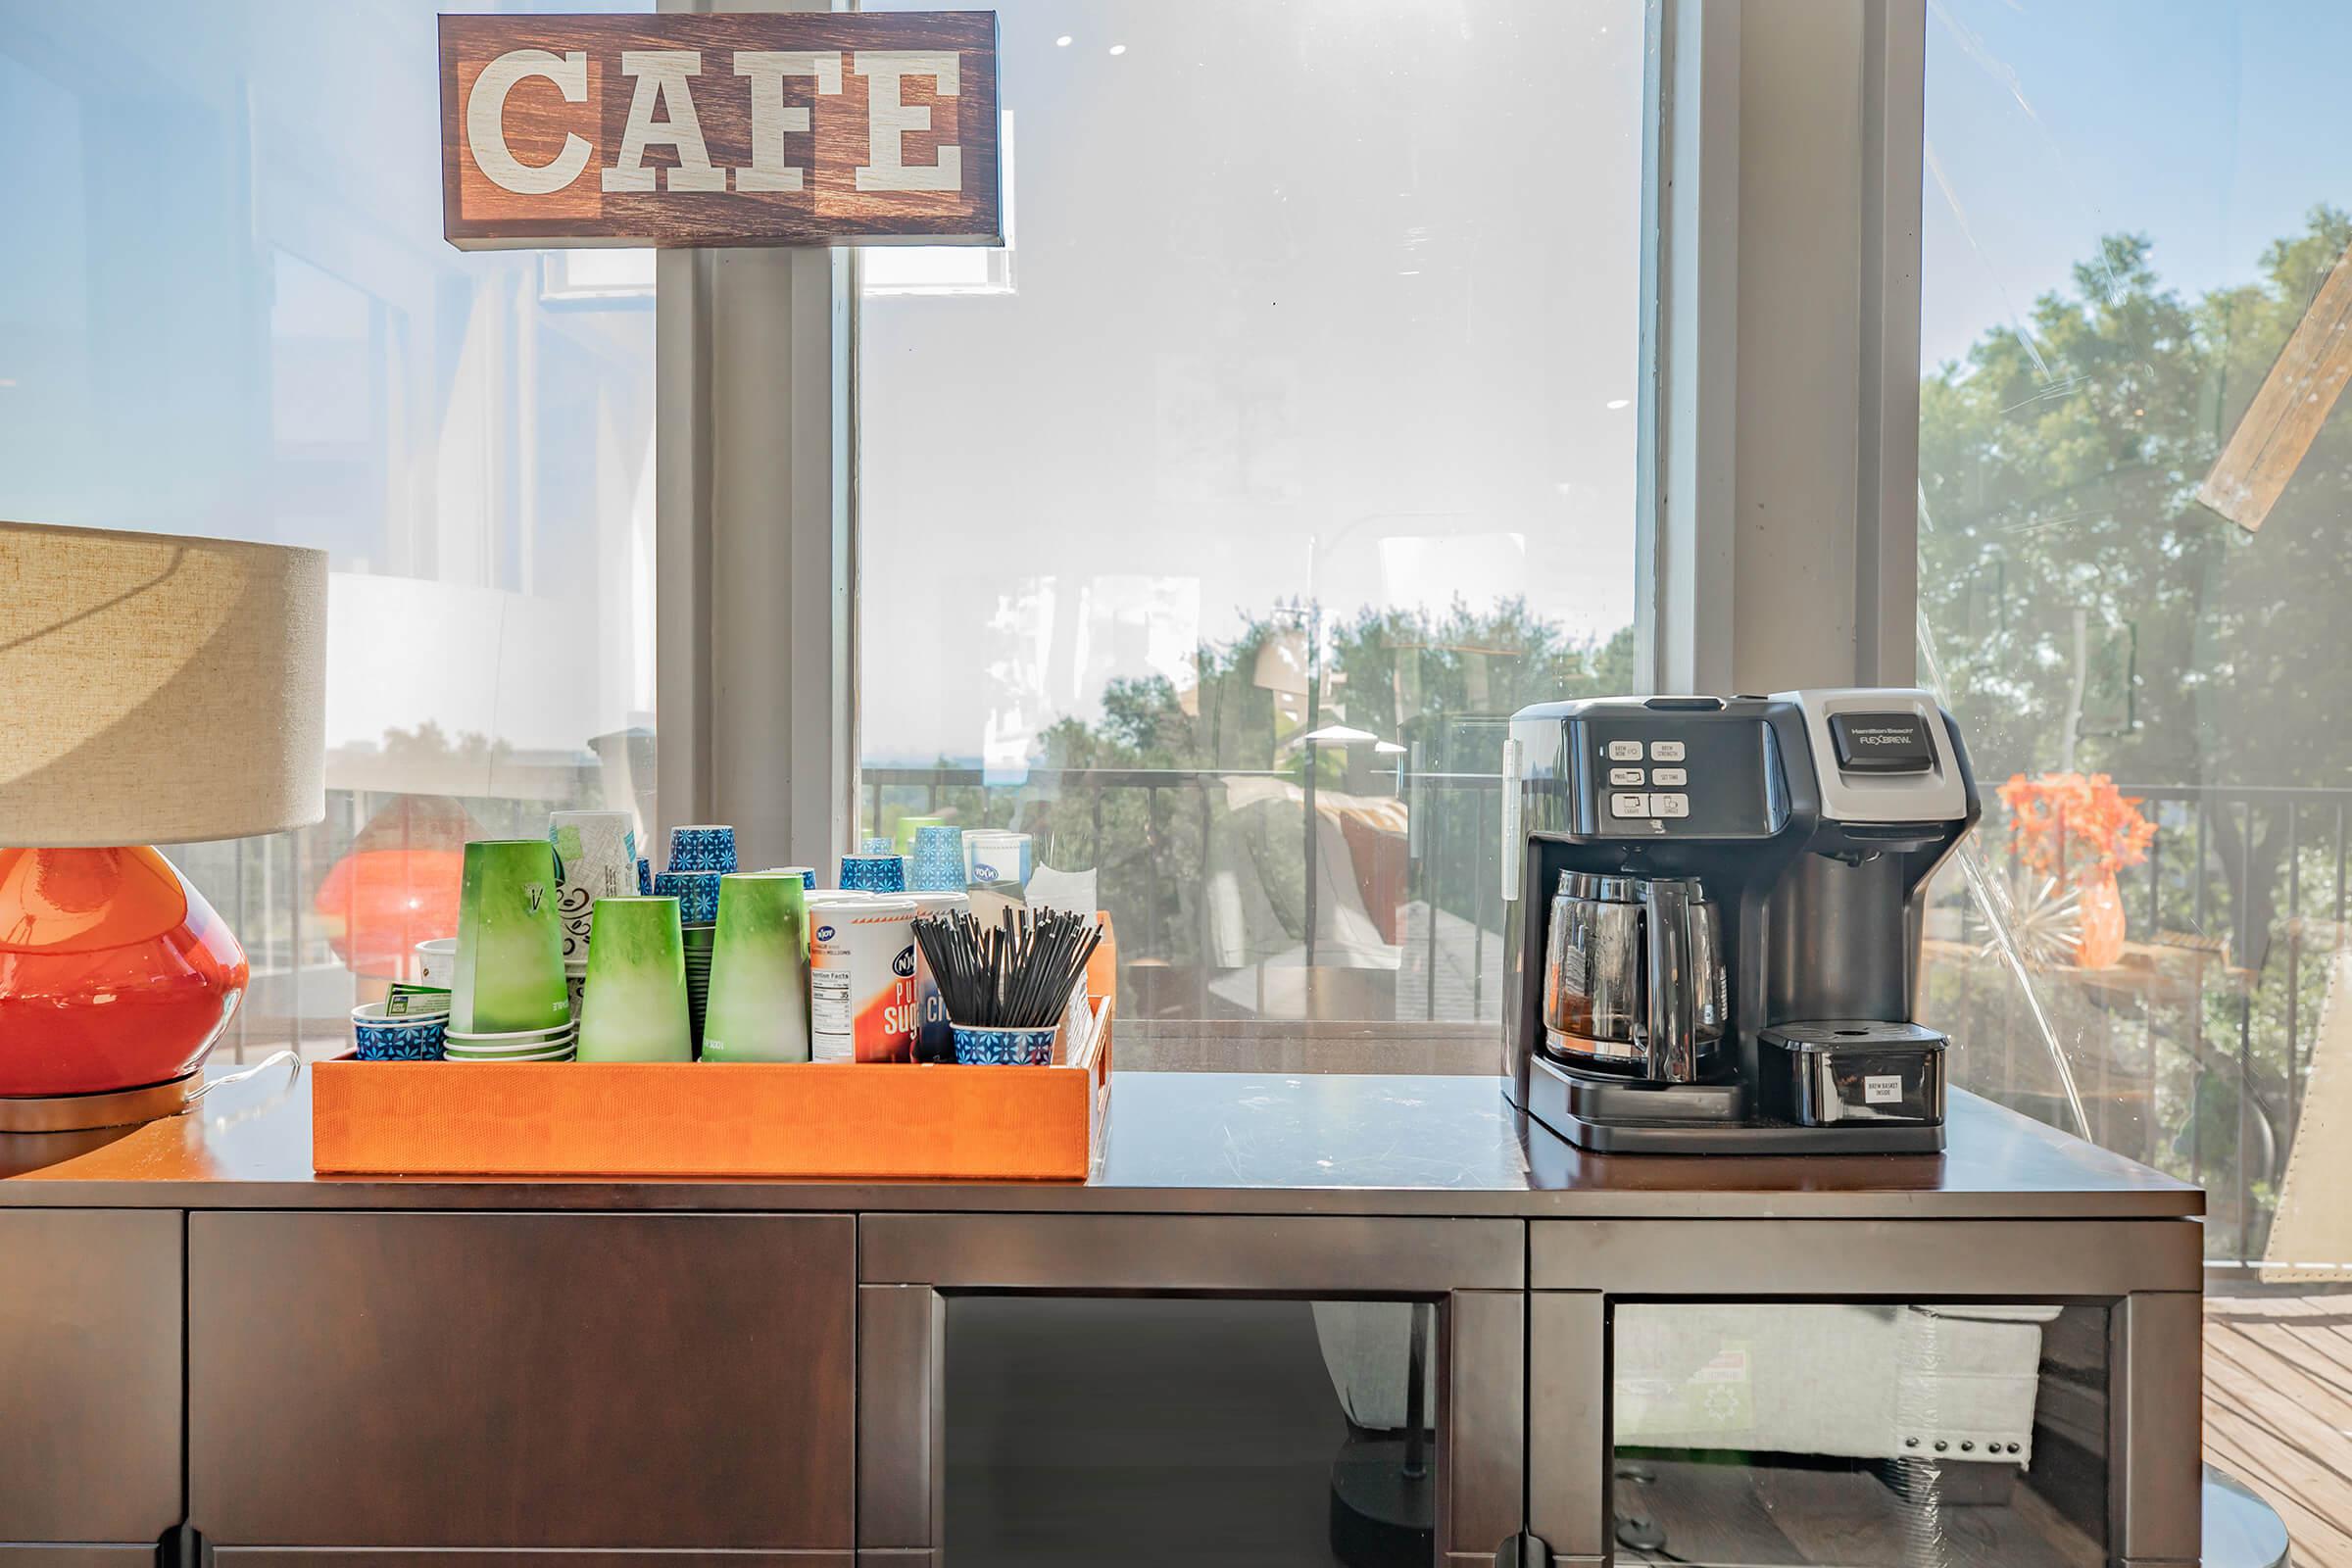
pixel 1315 721
pixel 754 577
pixel 1887 453
pixel 2156 1356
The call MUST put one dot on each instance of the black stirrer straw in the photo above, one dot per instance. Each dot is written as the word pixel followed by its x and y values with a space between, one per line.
pixel 1016 973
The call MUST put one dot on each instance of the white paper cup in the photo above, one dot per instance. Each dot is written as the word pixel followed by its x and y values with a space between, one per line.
pixel 596 857
pixel 437 963
pixel 525 1041
pixel 565 1055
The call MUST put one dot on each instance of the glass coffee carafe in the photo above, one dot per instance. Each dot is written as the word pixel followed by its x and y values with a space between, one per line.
pixel 1632 976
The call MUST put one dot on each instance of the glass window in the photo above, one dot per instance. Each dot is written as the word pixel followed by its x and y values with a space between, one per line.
pixel 1161 1432
pixel 1880 1434
pixel 1211 532
pixel 2134 573
pixel 228 311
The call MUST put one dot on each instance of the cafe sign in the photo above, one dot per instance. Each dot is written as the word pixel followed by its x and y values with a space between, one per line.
pixel 769 129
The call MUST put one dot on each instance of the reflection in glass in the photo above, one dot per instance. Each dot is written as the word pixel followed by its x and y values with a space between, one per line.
pixel 1155 1432
pixel 2134 471
pixel 1865 1435
pixel 240 320
pixel 1216 550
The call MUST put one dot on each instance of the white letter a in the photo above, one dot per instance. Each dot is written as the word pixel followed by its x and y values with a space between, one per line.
pixel 662 84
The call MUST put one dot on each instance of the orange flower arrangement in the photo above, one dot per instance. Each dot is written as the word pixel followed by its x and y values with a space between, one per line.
pixel 2077 824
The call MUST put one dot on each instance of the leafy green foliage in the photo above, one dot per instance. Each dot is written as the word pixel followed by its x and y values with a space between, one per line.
pixel 2058 473
pixel 2059 465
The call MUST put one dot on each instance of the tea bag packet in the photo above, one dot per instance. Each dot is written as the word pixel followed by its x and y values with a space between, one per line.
pixel 1069 890
pixel 1072 892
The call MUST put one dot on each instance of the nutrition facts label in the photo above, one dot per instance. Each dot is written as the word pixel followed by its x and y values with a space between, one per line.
pixel 829 1015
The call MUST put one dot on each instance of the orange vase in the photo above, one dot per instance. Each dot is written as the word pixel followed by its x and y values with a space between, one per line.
pixel 115 973
pixel 2101 908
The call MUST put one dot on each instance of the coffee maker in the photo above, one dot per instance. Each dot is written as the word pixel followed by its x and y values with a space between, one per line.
pixel 1713 925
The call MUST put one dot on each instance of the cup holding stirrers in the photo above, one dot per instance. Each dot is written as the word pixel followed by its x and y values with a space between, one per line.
pixel 1005 986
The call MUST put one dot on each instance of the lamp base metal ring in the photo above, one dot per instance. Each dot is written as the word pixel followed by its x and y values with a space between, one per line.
pixel 115 1108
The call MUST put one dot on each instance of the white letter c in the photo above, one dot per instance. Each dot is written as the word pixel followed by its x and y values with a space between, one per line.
pixel 486 121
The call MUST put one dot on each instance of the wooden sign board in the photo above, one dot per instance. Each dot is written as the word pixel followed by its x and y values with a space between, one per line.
pixel 771 129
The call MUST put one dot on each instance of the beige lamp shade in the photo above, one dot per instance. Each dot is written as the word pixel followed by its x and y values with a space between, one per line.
pixel 158 690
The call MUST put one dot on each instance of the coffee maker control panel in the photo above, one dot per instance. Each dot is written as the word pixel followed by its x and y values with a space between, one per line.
pixel 1670 767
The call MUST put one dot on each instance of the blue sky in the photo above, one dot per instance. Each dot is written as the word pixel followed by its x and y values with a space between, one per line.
pixel 1363 372
pixel 2210 127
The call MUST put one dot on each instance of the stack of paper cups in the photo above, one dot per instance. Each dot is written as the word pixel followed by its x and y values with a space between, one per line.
pixel 934 1039
pixel 937 864
pixel 991 855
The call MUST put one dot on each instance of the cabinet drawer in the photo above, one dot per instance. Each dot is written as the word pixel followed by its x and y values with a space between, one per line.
pixel 522 1379
pixel 444 1557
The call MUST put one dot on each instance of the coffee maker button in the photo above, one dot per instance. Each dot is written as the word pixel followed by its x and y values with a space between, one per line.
pixel 1620 777
pixel 1665 751
pixel 1624 750
pixel 1670 805
pixel 1667 775
pixel 1629 806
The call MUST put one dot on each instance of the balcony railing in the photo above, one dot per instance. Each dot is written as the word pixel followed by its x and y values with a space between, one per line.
pixel 2193 1052
pixel 1426 877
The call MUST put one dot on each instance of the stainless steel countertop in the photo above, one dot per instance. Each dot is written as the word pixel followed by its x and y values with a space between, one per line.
pixel 1193 1143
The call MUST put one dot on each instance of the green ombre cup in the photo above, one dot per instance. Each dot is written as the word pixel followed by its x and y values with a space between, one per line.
pixel 510 961
pixel 758 1008
pixel 634 1008
pixel 903 836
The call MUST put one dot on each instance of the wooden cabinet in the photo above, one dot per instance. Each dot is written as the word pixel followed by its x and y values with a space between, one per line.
pixel 493 1379
pixel 89 1379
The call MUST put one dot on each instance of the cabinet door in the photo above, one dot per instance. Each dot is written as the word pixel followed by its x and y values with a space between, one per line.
pixel 1169 1391
pixel 90 1375
pixel 1931 1394
pixel 522 1379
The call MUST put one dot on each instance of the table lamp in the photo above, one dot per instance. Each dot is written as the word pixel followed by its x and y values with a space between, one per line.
pixel 156 689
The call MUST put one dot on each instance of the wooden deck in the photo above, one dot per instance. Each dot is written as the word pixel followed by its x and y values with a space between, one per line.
pixel 2278 1412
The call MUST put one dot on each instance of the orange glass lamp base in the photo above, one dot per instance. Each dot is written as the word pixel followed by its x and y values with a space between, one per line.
pixel 115 973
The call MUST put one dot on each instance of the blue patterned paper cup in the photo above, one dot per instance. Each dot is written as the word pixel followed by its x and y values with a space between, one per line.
pixel 697 893
pixel 937 864
pixel 707 846
pixel 1004 1048
pixel 873 874
pixel 645 877
pixel 380 1037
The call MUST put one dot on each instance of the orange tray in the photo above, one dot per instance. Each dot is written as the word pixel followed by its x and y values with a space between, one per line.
pixel 652 1120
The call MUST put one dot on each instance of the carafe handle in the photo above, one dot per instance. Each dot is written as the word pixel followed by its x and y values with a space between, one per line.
pixel 1673 1054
